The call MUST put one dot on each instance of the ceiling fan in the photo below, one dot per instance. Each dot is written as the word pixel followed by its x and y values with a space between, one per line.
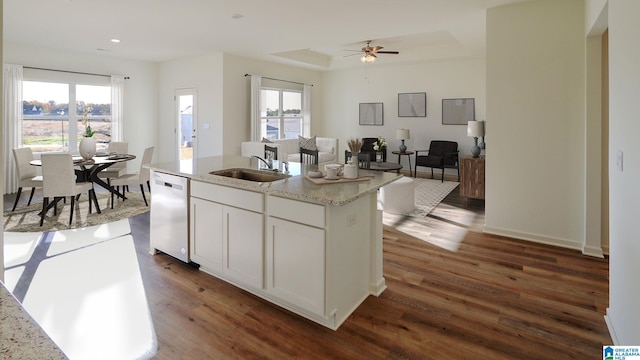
pixel 369 53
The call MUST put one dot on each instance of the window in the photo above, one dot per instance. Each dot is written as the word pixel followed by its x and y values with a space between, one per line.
pixel 281 113
pixel 50 124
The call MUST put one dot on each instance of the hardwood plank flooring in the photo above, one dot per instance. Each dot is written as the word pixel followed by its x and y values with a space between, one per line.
pixel 486 297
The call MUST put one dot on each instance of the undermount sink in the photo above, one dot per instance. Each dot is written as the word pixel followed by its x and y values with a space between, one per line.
pixel 250 174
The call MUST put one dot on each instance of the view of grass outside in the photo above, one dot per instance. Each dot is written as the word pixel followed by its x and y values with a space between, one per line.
pixel 46 119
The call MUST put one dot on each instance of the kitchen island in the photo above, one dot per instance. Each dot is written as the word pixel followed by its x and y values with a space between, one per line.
pixel 315 250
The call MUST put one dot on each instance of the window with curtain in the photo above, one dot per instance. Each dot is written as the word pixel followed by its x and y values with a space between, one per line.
pixel 281 113
pixel 49 123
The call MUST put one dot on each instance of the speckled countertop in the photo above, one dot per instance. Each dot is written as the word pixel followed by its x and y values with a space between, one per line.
pixel 20 336
pixel 294 187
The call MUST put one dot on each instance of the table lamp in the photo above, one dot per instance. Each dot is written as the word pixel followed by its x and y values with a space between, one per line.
pixel 475 129
pixel 403 134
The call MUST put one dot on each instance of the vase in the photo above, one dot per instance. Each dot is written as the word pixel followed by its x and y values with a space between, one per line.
pixel 354 158
pixel 87 148
pixel 379 156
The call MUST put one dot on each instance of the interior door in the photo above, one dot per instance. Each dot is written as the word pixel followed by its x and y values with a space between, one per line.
pixel 186 125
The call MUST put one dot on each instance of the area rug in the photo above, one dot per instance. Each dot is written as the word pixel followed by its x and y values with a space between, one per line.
pixel 429 193
pixel 88 296
pixel 26 218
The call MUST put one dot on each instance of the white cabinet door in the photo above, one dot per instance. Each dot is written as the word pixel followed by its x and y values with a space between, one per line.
pixel 206 234
pixel 296 264
pixel 243 246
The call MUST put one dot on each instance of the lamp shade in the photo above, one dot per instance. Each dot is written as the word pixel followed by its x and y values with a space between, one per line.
pixel 403 134
pixel 475 129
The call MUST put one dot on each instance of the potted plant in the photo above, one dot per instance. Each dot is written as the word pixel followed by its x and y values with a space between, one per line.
pixel 87 147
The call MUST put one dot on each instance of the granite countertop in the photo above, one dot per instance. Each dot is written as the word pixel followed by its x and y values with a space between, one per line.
pixel 20 336
pixel 294 187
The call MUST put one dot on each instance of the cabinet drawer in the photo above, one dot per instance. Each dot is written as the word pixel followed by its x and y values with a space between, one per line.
pixel 298 211
pixel 229 196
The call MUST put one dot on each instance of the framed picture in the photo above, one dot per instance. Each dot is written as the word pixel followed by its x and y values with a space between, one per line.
pixel 458 111
pixel 371 114
pixel 412 104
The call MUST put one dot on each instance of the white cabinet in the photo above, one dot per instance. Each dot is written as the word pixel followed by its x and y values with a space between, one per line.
pixel 227 240
pixel 206 234
pixel 296 264
pixel 243 245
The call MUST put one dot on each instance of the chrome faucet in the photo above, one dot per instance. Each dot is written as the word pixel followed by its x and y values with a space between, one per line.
pixel 268 164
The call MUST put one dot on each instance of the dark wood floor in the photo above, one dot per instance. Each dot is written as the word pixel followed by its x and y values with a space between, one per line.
pixel 491 297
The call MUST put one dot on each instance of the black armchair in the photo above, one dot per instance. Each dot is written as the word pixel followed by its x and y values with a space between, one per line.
pixel 367 148
pixel 441 154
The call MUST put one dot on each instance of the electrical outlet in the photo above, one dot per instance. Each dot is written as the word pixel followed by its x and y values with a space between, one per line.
pixel 619 161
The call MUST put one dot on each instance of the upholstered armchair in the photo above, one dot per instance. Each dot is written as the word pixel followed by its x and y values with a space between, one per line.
pixel 441 154
pixel 367 148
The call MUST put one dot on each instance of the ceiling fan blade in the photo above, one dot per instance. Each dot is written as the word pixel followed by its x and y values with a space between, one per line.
pixel 376 48
pixel 358 53
pixel 387 52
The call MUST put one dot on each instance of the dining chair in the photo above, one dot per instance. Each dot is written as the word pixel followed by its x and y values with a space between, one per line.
pixel 271 152
pixel 59 181
pixel 139 178
pixel 308 156
pixel 119 168
pixel 27 174
pixel 364 159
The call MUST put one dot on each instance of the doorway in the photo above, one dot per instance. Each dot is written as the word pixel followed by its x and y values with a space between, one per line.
pixel 186 125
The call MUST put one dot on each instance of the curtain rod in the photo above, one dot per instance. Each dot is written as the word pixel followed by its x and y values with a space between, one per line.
pixel 70 72
pixel 293 82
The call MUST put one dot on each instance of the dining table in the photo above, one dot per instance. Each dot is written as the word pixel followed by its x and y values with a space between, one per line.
pixel 89 170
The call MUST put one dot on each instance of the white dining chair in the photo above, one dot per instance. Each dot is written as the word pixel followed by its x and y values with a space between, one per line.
pixel 119 168
pixel 27 174
pixel 139 178
pixel 59 181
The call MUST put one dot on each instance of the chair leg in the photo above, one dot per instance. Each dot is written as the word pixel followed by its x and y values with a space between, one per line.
pixel 95 200
pixel 45 203
pixel 112 191
pixel 432 173
pixel 17 198
pixel 148 186
pixel 33 190
pixel 89 195
pixel 55 206
pixel 144 197
pixel 442 175
pixel 73 205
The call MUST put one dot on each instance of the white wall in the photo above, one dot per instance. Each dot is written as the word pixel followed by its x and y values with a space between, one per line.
pixel 204 73
pixel 377 82
pixel 140 92
pixel 623 316
pixel 237 96
pixel 535 182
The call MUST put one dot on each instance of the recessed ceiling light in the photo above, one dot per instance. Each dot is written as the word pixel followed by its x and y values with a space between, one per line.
pixel 115 40
pixel 237 16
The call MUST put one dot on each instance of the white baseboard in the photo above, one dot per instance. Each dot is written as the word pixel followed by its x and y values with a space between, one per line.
pixel 569 244
pixel 611 326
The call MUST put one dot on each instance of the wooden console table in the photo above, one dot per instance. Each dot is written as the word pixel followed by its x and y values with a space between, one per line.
pixel 472 177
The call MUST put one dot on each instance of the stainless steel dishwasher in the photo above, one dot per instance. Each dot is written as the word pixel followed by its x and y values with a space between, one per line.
pixel 169 221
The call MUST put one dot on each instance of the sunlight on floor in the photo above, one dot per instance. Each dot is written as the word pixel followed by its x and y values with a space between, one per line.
pixel 87 293
pixel 458 220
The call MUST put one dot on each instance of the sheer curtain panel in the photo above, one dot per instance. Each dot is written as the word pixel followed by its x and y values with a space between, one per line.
pixel 256 84
pixel 117 100
pixel 12 105
pixel 306 110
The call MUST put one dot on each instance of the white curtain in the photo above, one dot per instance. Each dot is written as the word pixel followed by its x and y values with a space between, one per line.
pixel 256 84
pixel 117 99
pixel 306 111
pixel 12 105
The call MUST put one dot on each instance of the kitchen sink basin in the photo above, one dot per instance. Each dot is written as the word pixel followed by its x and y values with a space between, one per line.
pixel 250 174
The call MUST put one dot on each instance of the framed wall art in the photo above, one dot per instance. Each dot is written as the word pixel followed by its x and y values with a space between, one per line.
pixel 458 111
pixel 412 104
pixel 371 114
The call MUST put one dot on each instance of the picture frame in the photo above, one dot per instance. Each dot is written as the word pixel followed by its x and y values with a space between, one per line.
pixel 458 111
pixel 371 114
pixel 412 104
